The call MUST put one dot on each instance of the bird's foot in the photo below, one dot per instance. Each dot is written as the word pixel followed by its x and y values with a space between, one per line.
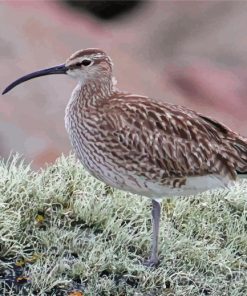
pixel 152 262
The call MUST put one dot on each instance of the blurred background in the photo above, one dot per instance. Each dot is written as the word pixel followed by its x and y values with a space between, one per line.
pixel 192 53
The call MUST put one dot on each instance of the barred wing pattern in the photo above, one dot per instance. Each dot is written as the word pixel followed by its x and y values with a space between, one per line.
pixel 162 141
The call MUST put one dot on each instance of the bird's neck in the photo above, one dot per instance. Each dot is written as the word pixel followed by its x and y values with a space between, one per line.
pixel 92 92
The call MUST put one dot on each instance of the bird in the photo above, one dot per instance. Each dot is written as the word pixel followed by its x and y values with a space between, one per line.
pixel 142 145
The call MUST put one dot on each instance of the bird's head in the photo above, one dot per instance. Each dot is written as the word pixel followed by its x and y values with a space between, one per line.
pixel 89 64
pixel 83 65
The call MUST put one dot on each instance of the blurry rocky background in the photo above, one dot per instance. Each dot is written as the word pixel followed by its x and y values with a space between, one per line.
pixel 190 53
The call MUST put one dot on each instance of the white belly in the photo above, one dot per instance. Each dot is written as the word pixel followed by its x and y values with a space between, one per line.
pixel 139 185
pixel 193 185
pixel 118 177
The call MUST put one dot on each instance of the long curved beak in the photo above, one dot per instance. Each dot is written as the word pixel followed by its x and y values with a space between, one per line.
pixel 60 69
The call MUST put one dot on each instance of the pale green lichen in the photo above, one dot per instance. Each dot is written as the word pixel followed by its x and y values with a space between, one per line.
pixel 80 231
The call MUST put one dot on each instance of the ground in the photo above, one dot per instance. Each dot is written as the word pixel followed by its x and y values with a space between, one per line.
pixel 65 233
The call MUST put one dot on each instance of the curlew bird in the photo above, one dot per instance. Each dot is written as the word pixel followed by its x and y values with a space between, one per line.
pixel 137 144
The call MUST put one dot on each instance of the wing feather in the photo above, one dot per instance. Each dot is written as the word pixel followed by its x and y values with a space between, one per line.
pixel 172 141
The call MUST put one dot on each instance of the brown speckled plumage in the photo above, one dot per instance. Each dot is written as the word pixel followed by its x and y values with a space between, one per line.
pixel 137 144
pixel 137 138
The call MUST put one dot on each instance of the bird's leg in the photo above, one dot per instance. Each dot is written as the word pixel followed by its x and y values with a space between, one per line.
pixel 153 260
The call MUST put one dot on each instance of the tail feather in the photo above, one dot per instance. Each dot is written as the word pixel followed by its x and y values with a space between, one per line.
pixel 240 146
pixel 232 144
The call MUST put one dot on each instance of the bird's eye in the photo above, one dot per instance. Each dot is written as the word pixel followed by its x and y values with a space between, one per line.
pixel 86 62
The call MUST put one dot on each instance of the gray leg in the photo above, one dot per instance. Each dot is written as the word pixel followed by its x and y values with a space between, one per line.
pixel 153 260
